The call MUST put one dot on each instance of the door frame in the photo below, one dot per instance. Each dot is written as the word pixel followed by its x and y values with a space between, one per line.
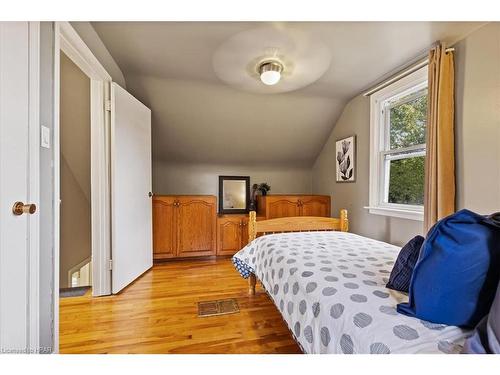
pixel 68 41
pixel 34 186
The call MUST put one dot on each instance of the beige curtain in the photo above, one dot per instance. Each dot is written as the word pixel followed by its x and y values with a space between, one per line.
pixel 439 196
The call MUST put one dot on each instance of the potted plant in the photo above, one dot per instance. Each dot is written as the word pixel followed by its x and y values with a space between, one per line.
pixel 264 188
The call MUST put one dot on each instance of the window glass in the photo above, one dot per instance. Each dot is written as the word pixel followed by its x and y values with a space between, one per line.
pixel 408 118
pixel 406 181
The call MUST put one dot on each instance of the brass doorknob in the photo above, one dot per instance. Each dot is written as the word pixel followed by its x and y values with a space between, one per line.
pixel 20 208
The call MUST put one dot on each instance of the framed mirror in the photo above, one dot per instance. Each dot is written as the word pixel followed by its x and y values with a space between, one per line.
pixel 234 194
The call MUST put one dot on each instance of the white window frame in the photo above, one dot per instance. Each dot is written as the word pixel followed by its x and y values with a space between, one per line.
pixel 379 139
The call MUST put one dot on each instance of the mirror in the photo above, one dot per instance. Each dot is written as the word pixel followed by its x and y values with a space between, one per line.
pixel 234 194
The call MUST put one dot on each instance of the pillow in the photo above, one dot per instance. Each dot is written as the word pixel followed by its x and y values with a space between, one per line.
pixel 403 268
pixel 486 337
pixel 455 279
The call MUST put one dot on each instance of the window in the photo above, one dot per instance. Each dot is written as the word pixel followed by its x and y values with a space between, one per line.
pixel 397 147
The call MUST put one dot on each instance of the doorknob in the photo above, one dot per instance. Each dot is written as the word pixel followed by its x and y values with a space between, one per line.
pixel 20 208
pixel 150 194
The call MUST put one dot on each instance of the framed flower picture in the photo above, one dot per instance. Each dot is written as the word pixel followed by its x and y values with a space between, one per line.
pixel 346 159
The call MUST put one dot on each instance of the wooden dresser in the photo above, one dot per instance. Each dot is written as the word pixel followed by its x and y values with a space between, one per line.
pixel 184 226
pixel 274 206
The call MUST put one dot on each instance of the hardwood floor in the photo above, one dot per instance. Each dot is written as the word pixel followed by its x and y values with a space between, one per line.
pixel 158 313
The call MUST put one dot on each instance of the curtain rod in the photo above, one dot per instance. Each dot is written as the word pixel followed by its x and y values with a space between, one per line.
pixel 402 72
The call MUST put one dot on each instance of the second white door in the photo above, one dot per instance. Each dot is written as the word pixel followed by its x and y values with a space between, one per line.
pixel 131 210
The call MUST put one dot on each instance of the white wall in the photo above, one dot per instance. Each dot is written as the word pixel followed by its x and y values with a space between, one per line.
pixel 477 119
pixel 185 178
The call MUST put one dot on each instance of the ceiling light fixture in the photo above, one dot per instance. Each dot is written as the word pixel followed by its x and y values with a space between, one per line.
pixel 270 72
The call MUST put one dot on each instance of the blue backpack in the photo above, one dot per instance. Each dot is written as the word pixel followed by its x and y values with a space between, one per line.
pixel 458 270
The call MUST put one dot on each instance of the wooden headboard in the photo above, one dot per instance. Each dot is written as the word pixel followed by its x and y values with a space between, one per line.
pixel 292 224
pixel 296 224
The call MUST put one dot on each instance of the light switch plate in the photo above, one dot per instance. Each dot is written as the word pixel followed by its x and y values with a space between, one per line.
pixel 45 135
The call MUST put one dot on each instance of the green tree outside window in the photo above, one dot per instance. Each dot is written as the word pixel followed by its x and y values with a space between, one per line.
pixel 407 128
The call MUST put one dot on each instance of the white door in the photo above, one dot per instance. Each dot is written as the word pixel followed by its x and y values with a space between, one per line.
pixel 131 210
pixel 19 182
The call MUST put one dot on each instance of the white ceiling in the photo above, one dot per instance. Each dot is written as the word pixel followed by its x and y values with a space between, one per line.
pixel 199 118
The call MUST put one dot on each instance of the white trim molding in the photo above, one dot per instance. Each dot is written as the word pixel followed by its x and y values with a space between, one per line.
pixel 378 141
pixel 394 212
pixel 75 48
pixel 34 186
pixel 57 189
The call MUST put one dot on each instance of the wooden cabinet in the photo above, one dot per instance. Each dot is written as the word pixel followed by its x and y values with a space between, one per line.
pixel 315 205
pixel 188 225
pixel 274 206
pixel 184 226
pixel 164 228
pixel 232 233
pixel 281 207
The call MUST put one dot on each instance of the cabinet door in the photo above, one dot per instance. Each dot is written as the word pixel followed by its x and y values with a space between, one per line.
pixel 196 227
pixel 229 232
pixel 282 207
pixel 315 206
pixel 163 228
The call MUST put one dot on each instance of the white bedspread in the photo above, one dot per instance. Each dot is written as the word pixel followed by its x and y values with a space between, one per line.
pixel 330 289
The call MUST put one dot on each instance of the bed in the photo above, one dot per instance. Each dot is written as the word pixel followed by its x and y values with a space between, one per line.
pixel 329 286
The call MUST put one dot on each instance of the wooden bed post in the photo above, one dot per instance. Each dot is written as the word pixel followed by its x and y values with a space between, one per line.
pixel 344 221
pixel 252 220
pixel 252 280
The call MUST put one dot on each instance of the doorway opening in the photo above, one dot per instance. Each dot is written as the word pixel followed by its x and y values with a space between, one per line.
pixel 75 265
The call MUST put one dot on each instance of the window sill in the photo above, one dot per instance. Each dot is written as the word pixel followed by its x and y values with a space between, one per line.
pixel 395 212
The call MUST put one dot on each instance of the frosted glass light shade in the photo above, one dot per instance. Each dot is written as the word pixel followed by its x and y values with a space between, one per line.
pixel 270 77
pixel 270 72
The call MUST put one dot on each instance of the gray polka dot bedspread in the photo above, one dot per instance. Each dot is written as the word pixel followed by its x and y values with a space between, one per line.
pixel 330 290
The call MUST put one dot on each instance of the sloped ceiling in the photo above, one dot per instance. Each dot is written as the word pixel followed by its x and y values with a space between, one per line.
pixel 199 118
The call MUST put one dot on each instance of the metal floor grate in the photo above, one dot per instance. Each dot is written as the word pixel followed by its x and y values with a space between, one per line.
pixel 218 307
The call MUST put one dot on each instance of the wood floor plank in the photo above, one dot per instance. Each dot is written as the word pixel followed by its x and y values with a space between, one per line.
pixel 158 313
